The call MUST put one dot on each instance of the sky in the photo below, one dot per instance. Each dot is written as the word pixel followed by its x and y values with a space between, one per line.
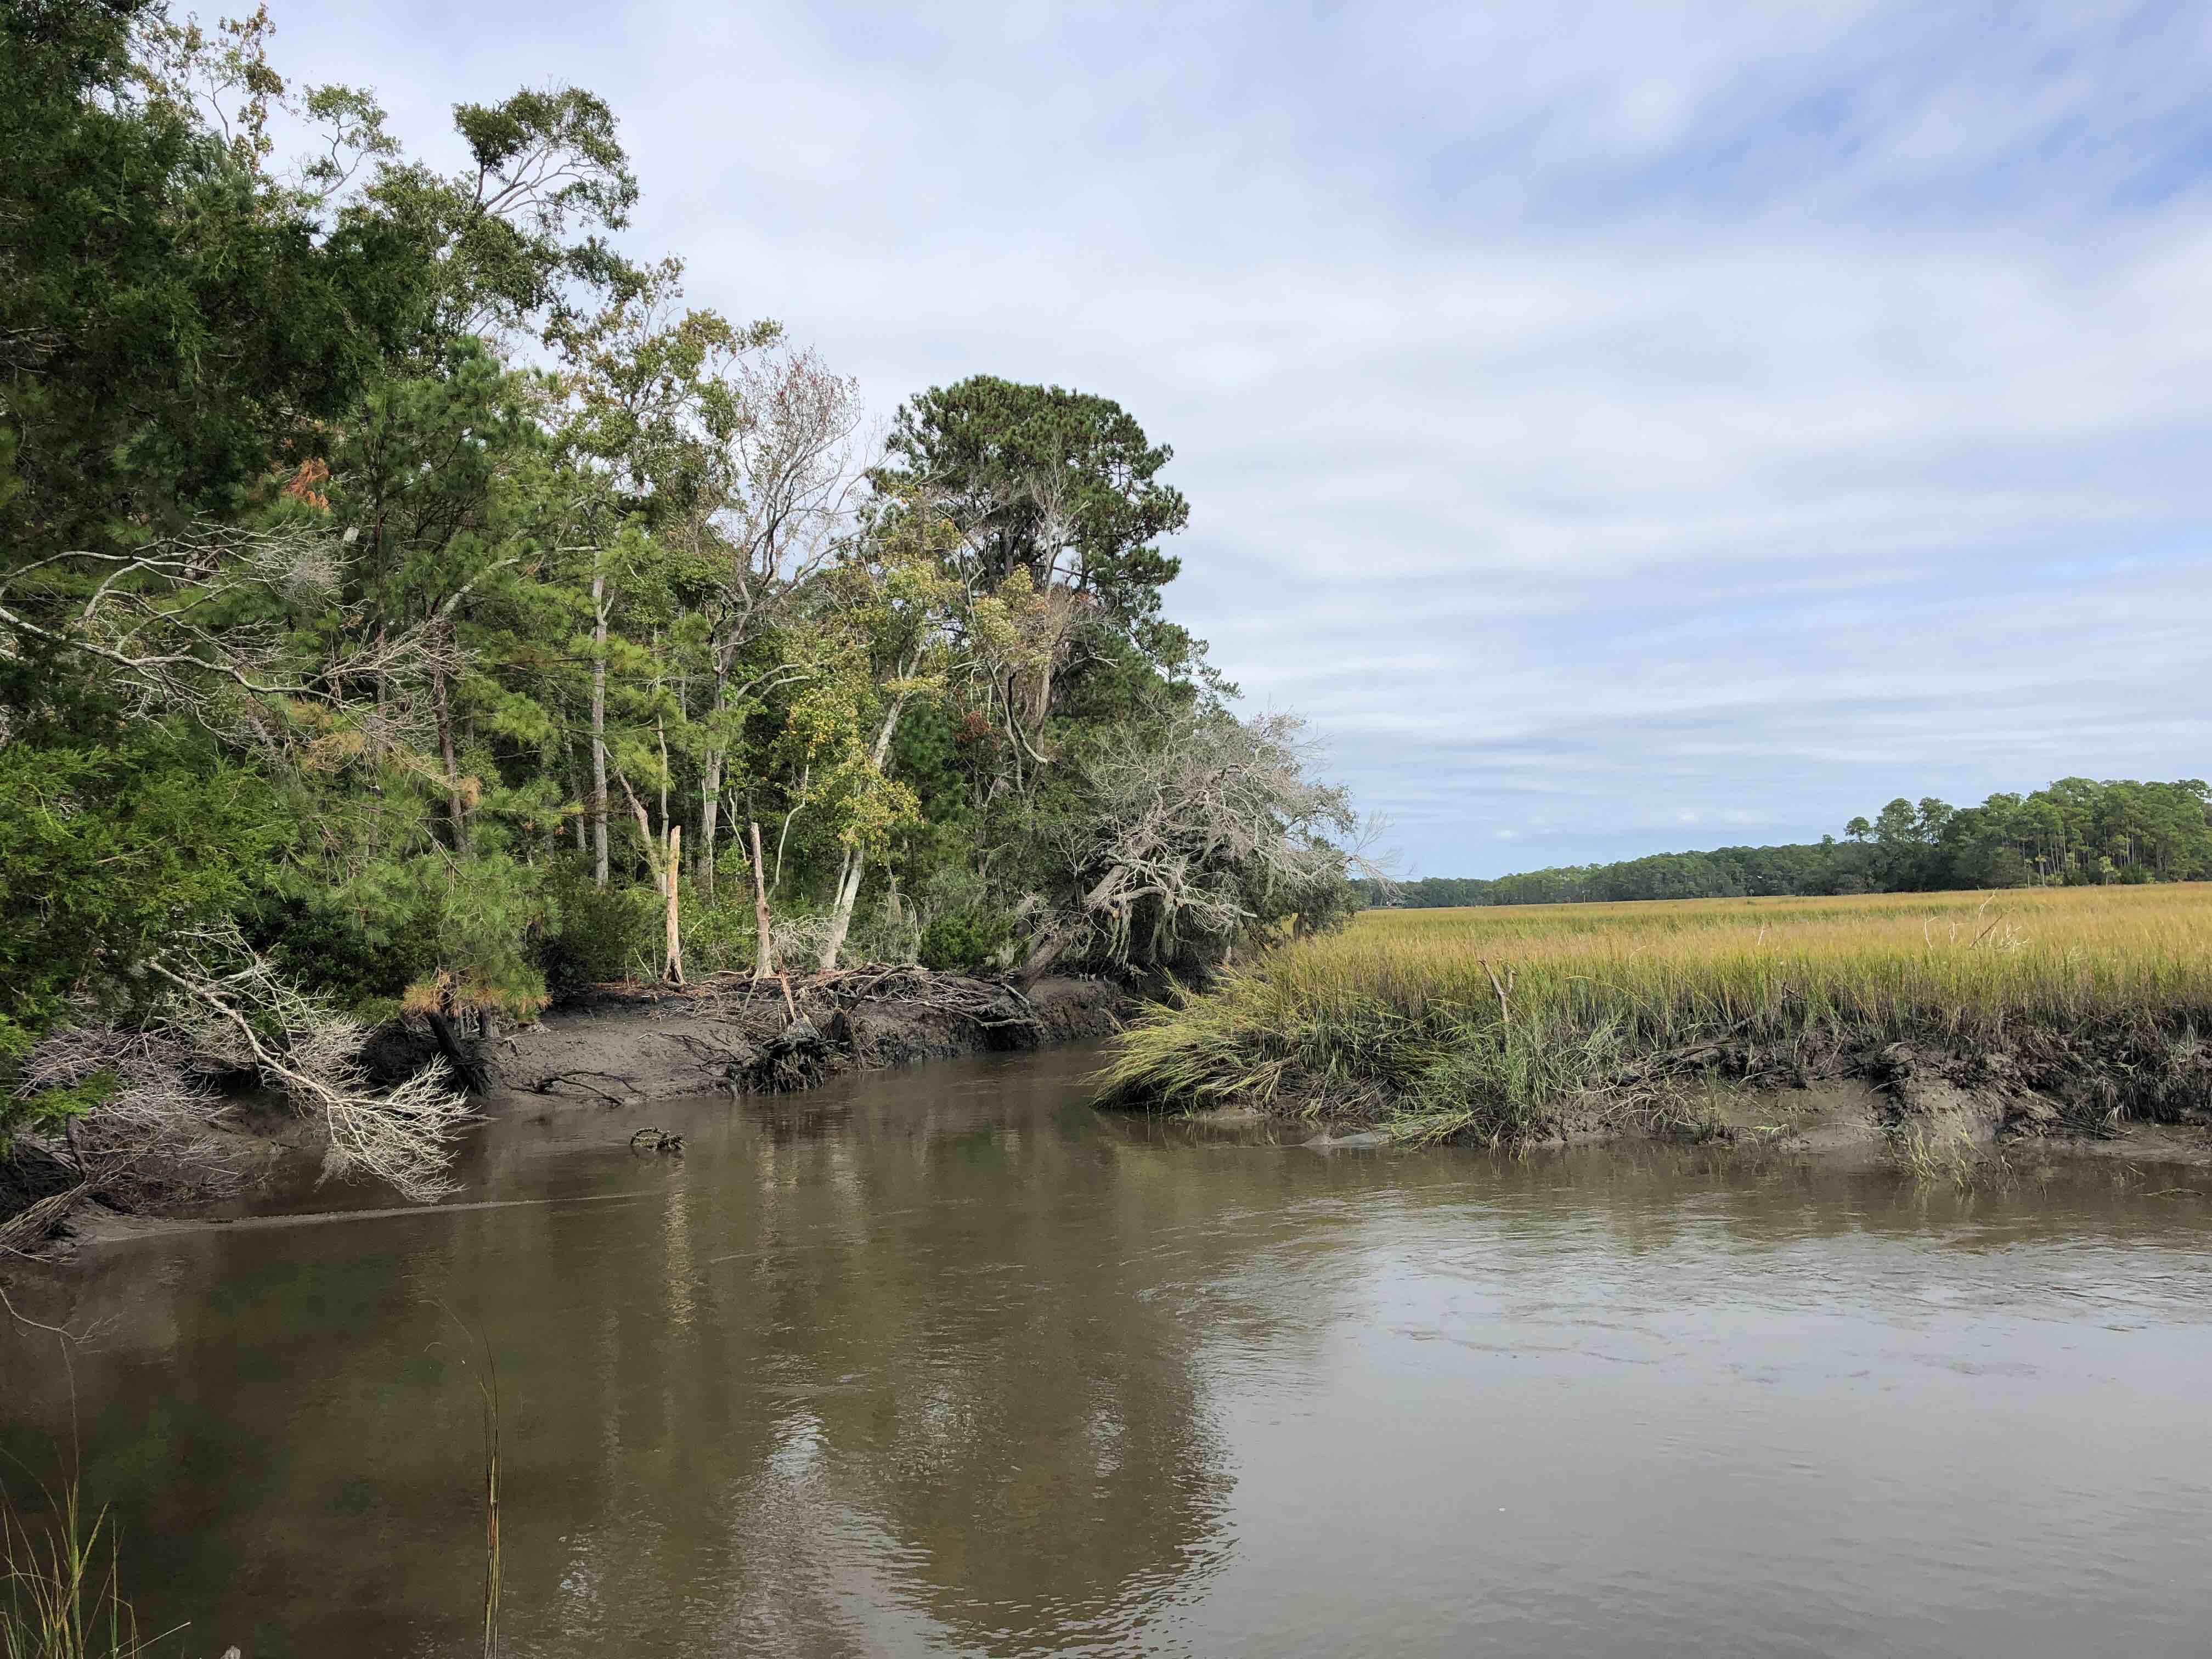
pixel 1616 427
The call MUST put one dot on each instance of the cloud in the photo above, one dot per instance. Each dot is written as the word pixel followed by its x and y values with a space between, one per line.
pixel 1614 425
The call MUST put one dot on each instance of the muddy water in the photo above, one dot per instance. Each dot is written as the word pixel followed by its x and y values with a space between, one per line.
pixel 939 1362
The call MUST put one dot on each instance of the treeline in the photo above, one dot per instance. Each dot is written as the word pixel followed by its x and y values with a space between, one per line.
pixel 2076 832
pixel 410 603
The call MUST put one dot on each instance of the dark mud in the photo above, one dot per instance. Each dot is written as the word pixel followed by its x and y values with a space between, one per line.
pixel 1933 1107
pixel 622 1046
pixel 619 1046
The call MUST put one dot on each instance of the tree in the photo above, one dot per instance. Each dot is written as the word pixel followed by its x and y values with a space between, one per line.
pixel 786 477
pixel 890 605
pixel 1062 486
pixel 1191 840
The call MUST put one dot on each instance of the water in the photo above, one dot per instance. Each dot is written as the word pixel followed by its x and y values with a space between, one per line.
pixel 941 1361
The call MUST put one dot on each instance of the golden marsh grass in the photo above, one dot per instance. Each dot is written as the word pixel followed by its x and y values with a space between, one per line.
pixel 1483 1019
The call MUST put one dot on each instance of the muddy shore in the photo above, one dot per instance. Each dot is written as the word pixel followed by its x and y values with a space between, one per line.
pixel 619 1046
pixel 1919 1107
pixel 623 1046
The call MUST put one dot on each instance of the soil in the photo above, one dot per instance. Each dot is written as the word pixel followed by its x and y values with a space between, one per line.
pixel 622 1046
pixel 1935 1109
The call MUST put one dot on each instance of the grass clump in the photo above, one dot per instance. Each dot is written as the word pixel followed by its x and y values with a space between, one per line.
pixel 59 1593
pixel 1500 1024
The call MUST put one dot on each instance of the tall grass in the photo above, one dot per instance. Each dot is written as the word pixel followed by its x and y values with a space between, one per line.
pixel 59 1592
pixel 1486 1021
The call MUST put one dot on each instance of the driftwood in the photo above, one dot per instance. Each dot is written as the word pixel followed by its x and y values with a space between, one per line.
pixel 729 994
pixel 545 1085
pixel 984 1003
pixel 30 1228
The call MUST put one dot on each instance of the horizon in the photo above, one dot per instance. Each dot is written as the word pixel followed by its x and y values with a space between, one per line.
pixel 1666 426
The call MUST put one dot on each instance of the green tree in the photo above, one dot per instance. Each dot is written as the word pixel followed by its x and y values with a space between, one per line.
pixel 1062 486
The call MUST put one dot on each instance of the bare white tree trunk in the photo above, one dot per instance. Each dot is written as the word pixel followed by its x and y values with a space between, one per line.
pixel 649 842
pixel 848 877
pixel 710 808
pixel 598 730
pixel 764 946
pixel 672 970
pixel 840 914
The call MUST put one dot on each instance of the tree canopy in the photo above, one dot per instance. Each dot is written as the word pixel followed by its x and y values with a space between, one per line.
pixel 390 567
pixel 2076 832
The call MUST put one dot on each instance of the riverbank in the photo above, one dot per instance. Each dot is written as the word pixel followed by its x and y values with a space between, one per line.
pixel 616 1045
pixel 623 1045
pixel 1943 1023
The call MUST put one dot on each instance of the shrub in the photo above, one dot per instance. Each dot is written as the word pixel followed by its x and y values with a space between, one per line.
pixel 594 934
pixel 718 934
pixel 965 941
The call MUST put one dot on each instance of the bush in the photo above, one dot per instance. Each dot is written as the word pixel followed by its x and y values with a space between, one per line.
pixel 718 936
pixel 592 935
pixel 963 941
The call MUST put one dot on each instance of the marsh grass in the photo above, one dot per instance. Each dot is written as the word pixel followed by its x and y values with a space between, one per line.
pixel 59 1588
pixel 1494 1023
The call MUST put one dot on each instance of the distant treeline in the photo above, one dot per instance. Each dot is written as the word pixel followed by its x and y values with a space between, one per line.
pixel 2076 833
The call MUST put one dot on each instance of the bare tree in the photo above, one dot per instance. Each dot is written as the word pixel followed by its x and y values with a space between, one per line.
pixel 146 620
pixel 1196 835
pixel 785 504
pixel 226 1010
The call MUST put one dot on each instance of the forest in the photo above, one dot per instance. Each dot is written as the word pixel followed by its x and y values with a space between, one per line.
pixel 2076 833
pixel 412 608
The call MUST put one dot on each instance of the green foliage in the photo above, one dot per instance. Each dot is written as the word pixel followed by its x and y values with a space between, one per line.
pixel 718 934
pixel 965 941
pixel 2075 834
pixel 594 935
pixel 388 568
pixel 110 850
pixel 1044 472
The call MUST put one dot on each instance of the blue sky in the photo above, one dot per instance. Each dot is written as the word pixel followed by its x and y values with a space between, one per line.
pixel 1616 427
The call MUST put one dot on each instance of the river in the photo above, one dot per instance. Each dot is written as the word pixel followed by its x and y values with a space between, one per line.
pixel 940 1361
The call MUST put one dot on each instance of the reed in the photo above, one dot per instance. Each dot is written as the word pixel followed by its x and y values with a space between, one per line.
pixel 1488 1021
pixel 59 1594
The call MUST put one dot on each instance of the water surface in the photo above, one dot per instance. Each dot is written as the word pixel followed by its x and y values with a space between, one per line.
pixel 941 1361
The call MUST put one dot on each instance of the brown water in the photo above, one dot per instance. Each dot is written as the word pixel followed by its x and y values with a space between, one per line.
pixel 941 1361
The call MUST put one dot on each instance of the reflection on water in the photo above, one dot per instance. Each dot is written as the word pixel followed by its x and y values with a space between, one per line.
pixel 941 1362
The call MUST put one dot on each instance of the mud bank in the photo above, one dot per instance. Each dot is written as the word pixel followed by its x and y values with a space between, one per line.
pixel 620 1046
pixel 1927 1107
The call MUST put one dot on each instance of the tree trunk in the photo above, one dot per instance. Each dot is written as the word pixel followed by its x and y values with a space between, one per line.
pixel 848 879
pixel 1045 950
pixel 1057 936
pixel 710 809
pixel 598 730
pixel 673 969
pixel 456 812
pixel 648 843
pixel 783 835
pixel 465 1066
pixel 661 730
pixel 764 949
pixel 841 916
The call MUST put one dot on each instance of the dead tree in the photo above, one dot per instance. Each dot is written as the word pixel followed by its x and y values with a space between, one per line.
pixel 226 1010
pixel 1192 837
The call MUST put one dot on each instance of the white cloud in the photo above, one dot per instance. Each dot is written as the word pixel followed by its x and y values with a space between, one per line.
pixel 1600 419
